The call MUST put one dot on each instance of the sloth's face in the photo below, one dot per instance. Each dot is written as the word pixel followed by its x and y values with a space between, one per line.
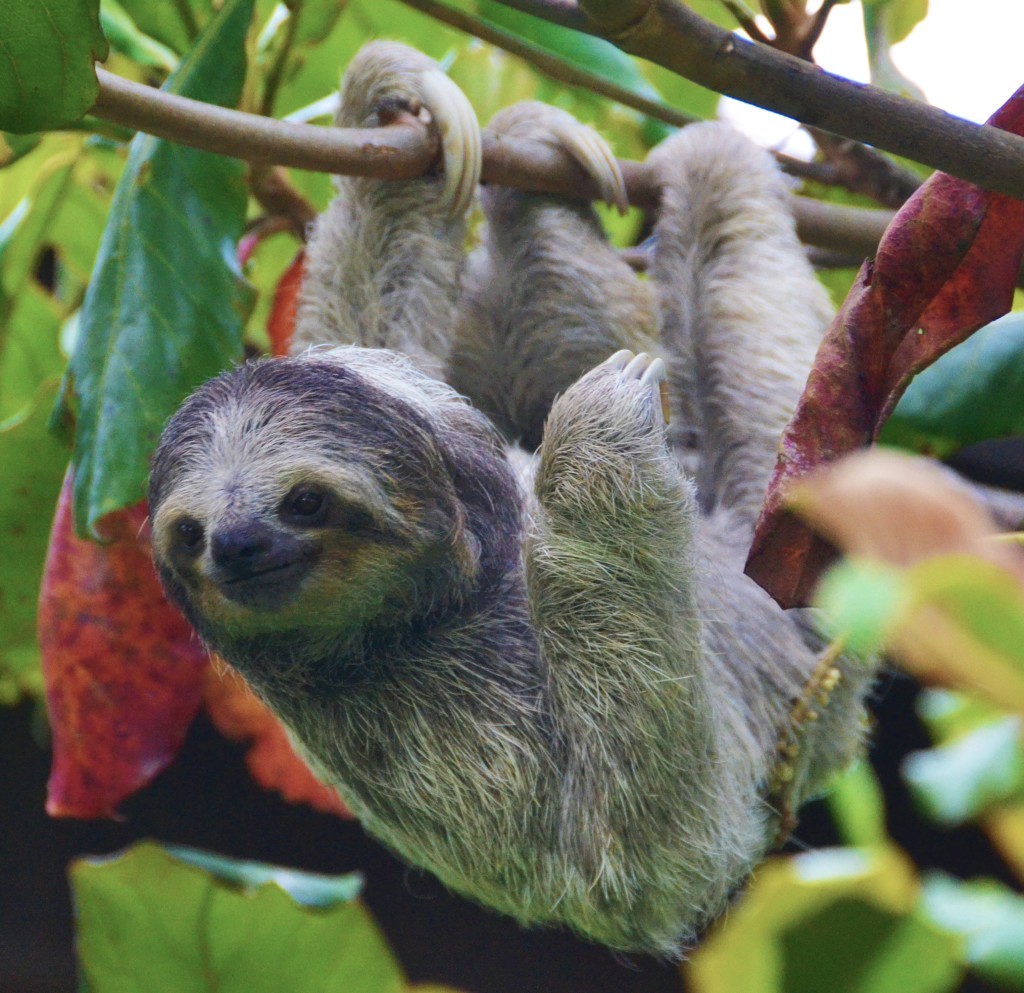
pixel 279 509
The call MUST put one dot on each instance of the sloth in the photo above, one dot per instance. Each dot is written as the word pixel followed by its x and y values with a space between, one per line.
pixel 451 540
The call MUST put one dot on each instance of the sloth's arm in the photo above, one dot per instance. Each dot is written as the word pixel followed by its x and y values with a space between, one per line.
pixel 384 261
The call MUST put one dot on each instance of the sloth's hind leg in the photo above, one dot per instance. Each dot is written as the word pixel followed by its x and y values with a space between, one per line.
pixel 384 262
pixel 547 297
pixel 742 309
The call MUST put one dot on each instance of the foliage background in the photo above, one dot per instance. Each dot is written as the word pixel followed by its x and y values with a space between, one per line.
pixel 856 918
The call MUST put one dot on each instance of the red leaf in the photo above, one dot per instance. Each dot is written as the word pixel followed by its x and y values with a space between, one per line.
pixel 239 715
pixel 946 266
pixel 122 667
pixel 281 324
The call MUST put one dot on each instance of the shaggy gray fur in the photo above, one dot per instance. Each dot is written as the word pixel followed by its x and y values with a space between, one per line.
pixel 544 678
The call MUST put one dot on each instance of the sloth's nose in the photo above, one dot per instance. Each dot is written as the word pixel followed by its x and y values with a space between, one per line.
pixel 243 549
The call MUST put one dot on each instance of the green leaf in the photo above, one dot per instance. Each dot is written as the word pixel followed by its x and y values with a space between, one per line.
pixel 16 146
pixel 155 920
pixel 23 236
pixel 842 920
pixel 887 22
pixel 33 464
pixel 974 392
pixel 987 605
pixel 167 301
pixel 900 17
pixel 31 352
pixel 860 601
pixel 948 714
pixel 47 51
pixel 126 38
pixel 958 781
pixel 594 54
pixel 857 805
pixel 175 23
pixel 988 917
pixel 310 889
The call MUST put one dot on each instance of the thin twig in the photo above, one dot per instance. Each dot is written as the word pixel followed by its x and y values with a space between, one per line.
pixel 571 74
pixel 551 65
pixel 276 72
pixel 669 33
pixel 188 18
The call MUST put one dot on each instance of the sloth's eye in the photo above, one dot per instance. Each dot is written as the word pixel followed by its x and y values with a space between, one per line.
pixel 189 534
pixel 305 506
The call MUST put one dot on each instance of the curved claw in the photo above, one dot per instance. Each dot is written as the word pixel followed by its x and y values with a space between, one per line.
pixel 648 371
pixel 594 154
pixel 619 360
pixel 460 139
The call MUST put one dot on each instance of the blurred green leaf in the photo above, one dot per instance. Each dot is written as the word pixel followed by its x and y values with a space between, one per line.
pixel 842 920
pixel 155 920
pixel 887 22
pixel 950 620
pixel 900 16
pixel 23 237
pixel 860 601
pixel 16 146
pixel 125 37
pixel 309 889
pixel 174 23
pixel 857 805
pixel 974 392
pixel 594 54
pixel 988 917
pixel 167 303
pixel 46 71
pixel 33 465
pixel 986 605
pixel 317 21
pixel 29 316
pixel 31 353
pixel 958 781
pixel 948 714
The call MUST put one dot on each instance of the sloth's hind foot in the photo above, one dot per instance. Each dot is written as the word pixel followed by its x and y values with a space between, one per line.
pixel 386 78
pixel 543 123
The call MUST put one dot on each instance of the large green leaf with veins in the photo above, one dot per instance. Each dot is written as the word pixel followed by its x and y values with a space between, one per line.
pixel 167 302
pixel 180 921
pixel 973 392
pixel 47 50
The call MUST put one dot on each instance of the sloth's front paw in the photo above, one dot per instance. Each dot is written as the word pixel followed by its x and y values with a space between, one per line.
pixel 385 78
pixel 542 122
pixel 644 369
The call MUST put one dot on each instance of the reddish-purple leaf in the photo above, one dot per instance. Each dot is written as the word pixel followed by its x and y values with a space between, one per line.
pixel 123 669
pixel 946 266
pixel 272 761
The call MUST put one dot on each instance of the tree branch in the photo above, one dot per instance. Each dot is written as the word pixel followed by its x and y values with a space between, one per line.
pixel 400 151
pixel 673 36
pixel 563 71
pixel 407 149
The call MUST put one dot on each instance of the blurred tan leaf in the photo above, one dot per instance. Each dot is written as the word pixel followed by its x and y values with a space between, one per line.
pixel 899 509
pixel 841 920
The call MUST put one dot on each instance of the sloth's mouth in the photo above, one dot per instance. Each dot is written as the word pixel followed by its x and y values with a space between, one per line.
pixel 259 573
pixel 268 587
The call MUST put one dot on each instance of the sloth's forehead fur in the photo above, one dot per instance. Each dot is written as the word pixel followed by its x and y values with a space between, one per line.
pixel 269 423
